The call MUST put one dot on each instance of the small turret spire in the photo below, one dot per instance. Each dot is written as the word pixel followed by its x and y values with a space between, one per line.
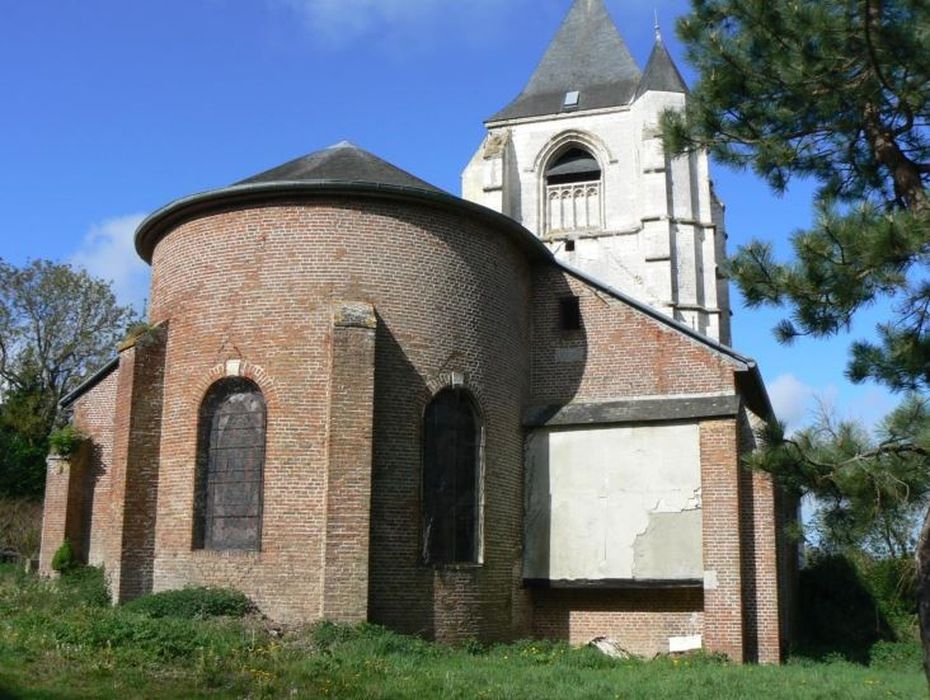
pixel 658 30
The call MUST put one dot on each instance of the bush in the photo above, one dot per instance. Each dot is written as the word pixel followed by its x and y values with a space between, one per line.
pixel 20 528
pixel 64 442
pixel 22 466
pixel 896 656
pixel 852 604
pixel 63 560
pixel 87 584
pixel 192 603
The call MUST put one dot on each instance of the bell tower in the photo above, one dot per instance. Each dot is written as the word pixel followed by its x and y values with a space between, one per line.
pixel 577 158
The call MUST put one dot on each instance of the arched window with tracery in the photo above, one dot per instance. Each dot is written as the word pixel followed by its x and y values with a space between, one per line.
pixel 452 435
pixel 573 191
pixel 230 467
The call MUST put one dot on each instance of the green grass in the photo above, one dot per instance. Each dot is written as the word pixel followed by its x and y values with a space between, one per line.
pixel 57 640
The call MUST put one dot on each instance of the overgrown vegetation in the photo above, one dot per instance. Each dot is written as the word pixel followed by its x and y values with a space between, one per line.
pixel 20 529
pixel 65 441
pixel 61 639
pixel 858 607
pixel 58 325
pixel 193 604
pixel 63 559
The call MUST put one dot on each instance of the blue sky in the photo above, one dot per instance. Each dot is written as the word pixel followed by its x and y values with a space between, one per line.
pixel 112 109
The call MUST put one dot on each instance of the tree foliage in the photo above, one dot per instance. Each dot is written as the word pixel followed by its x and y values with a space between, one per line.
pixel 836 91
pixel 57 326
pixel 871 489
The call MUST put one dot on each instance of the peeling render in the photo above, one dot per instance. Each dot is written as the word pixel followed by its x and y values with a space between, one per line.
pixel 613 503
pixel 666 550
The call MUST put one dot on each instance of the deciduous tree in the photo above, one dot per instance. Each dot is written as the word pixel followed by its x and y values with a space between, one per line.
pixel 57 326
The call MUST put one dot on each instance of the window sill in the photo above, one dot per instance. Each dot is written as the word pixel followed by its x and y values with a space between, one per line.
pixel 226 553
pixel 462 566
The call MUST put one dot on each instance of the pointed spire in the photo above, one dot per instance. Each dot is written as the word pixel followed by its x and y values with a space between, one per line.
pixel 658 29
pixel 661 74
pixel 587 56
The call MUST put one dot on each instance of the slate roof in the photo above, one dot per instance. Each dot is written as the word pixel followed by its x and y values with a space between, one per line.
pixel 588 55
pixel 661 74
pixel 344 162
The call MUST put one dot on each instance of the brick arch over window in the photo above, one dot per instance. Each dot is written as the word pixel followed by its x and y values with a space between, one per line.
pixel 230 466
pixel 452 439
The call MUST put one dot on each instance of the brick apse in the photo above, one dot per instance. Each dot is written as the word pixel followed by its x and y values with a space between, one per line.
pixel 362 398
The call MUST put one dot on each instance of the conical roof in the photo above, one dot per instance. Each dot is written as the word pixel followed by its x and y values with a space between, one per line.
pixel 587 56
pixel 661 74
pixel 344 162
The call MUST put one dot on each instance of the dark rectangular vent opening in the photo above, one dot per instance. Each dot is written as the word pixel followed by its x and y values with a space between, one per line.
pixel 569 314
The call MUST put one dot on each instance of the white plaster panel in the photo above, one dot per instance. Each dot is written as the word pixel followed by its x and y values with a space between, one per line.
pixel 593 494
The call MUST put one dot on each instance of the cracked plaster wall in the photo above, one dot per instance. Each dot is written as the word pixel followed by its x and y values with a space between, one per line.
pixel 614 503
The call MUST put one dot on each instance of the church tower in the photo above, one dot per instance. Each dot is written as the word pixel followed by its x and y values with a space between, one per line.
pixel 577 159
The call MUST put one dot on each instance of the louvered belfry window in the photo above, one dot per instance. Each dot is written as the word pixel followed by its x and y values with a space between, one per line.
pixel 451 459
pixel 230 465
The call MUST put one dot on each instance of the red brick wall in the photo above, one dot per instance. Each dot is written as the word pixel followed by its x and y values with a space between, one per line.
pixel 759 525
pixel 94 416
pixel 348 487
pixel 641 621
pixel 77 489
pixel 620 353
pixel 55 510
pixel 258 285
pixel 251 293
pixel 129 538
pixel 720 480
pixel 623 353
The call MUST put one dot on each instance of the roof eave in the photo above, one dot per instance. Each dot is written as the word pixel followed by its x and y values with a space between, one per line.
pixel 90 383
pixel 747 370
pixel 156 225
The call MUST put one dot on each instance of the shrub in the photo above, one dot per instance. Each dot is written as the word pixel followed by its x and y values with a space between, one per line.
pixel 896 656
pixel 850 604
pixel 63 560
pixel 64 442
pixel 87 584
pixel 20 528
pixel 193 603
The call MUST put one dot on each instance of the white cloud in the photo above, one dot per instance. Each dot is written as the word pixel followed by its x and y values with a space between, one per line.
pixel 798 404
pixel 792 399
pixel 108 252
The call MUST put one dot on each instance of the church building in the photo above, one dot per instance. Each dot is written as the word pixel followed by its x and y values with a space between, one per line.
pixel 507 415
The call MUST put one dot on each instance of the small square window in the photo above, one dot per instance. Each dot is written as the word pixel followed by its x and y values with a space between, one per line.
pixel 571 98
pixel 569 314
pixel 569 246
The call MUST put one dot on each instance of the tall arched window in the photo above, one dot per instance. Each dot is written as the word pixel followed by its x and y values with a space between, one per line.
pixel 451 472
pixel 230 464
pixel 573 191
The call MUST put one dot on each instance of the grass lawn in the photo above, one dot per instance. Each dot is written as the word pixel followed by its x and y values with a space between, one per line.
pixel 57 640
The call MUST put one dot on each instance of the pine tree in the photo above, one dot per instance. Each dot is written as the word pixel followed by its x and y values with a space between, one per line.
pixel 837 91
